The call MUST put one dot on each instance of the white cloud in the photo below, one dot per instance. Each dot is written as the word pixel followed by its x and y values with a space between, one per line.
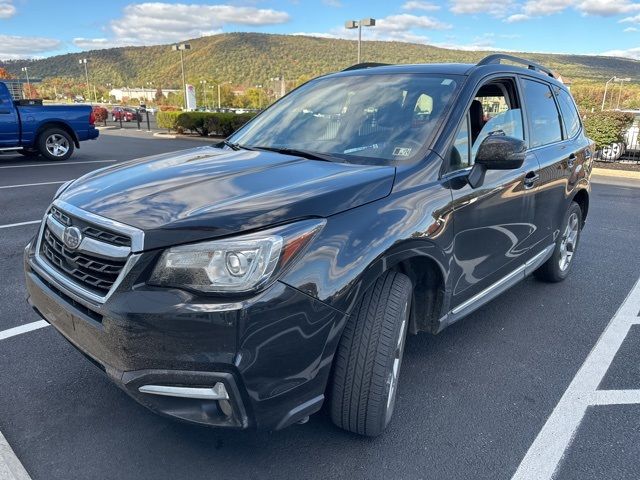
pixel 631 29
pixel 606 8
pixel 25 47
pixel 7 9
pixel 491 7
pixel 420 5
pixel 635 19
pixel 157 22
pixel 633 53
pixel 517 17
pixel 406 21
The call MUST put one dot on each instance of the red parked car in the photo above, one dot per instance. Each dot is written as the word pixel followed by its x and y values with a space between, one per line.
pixel 125 113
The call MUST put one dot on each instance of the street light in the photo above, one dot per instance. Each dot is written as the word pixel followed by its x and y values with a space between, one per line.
pixel 84 62
pixel 220 84
pixel 26 72
pixel 204 91
pixel 353 24
pixel 606 86
pixel 181 47
pixel 259 87
pixel 621 80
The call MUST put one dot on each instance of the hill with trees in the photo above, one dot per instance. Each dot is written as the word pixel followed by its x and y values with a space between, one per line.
pixel 253 58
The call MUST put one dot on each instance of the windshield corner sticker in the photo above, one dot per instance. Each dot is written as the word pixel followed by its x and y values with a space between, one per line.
pixel 402 151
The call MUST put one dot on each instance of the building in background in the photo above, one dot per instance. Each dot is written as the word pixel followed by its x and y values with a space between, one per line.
pixel 143 94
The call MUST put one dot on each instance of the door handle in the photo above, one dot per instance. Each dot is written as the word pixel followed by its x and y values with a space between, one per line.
pixel 571 160
pixel 530 179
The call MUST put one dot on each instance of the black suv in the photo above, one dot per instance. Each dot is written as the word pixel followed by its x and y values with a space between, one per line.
pixel 242 285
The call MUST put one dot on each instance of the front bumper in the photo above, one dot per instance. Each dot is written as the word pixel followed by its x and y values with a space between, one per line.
pixel 272 353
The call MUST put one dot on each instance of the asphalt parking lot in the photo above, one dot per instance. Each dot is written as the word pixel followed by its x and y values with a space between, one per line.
pixel 473 402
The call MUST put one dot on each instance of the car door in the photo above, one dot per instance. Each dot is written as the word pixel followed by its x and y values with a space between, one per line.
pixel 493 223
pixel 559 148
pixel 9 125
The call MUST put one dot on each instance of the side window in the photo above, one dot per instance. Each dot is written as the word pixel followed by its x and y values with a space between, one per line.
pixel 569 113
pixel 542 113
pixel 459 156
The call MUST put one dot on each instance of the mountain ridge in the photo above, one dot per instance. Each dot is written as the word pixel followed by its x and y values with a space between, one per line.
pixel 254 58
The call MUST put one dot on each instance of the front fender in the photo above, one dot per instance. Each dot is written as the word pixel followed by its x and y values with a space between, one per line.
pixel 357 246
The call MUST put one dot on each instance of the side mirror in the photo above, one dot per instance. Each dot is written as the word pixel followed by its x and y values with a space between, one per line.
pixel 497 152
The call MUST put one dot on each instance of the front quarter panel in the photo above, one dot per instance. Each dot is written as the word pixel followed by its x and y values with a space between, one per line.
pixel 358 245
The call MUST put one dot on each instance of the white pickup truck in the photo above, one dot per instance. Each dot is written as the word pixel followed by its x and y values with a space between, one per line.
pixel 629 147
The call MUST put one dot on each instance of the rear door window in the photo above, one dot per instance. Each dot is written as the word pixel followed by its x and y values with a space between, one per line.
pixel 542 113
pixel 570 115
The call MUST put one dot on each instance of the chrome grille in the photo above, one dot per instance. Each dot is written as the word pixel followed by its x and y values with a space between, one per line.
pixel 89 230
pixel 90 271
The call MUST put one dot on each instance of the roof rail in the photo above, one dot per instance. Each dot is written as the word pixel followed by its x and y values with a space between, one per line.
pixel 359 66
pixel 497 57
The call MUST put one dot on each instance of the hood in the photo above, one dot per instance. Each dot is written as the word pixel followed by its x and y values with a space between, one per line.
pixel 207 192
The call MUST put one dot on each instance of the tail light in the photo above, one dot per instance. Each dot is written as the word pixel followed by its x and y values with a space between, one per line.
pixel 92 118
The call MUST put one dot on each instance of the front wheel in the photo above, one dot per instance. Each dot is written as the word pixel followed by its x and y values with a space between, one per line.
pixel 55 144
pixel 557 268
pixel 369 356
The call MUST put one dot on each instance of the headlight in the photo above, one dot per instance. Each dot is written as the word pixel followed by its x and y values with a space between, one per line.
pixel 236 265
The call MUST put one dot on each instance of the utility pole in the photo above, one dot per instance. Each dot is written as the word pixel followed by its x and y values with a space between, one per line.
pixel 204 91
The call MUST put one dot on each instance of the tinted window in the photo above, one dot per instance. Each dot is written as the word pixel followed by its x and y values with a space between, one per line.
pixel 361 118
pixel 459 156
pixel 542 113
pixel 569 113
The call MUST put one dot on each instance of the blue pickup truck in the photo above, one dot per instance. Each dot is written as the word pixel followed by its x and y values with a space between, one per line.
pixel 53 131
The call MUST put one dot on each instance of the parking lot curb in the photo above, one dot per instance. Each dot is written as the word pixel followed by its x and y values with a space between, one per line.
pixel 10 466
pixel 609 172
pixel 107 127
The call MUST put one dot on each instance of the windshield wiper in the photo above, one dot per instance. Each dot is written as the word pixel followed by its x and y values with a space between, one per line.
pixel 298 153
pixel 234 146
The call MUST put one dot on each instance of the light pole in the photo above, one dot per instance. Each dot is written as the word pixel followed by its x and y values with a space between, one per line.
pixel 84 62
pixel 181 47
pixel 219 85
pixel 26 72
pixel 353 24
pixel 606 86
pixel 259 87
pixel 204 91
pixel 621 80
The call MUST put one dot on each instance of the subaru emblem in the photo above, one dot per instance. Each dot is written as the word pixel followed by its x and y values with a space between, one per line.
pixel 72 237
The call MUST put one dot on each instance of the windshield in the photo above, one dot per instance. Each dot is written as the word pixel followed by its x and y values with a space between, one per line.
pixel 359 118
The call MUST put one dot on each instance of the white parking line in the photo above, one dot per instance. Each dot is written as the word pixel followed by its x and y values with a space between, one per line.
pixel 20 224
pixel 27 327
pixel 32 184
pixel 56 164
pixel 549 447
pixel 10 466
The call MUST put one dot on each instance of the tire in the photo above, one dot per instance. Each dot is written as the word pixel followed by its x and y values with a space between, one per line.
pixel 364 384
pixel 55 144
pixel 612 152
pixel 558 267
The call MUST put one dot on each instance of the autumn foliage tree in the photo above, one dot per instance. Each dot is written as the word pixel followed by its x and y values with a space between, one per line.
pixel 4 74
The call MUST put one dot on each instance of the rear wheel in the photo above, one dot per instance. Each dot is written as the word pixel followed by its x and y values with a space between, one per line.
pixel 557 268
pixel 367 364
pixel 55 144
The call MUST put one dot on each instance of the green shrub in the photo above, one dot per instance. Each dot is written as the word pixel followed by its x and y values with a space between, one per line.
pixel 605 128
pixel 203 123
pixel 167 119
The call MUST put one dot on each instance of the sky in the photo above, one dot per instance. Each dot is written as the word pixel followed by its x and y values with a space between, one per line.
pixel 41 28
